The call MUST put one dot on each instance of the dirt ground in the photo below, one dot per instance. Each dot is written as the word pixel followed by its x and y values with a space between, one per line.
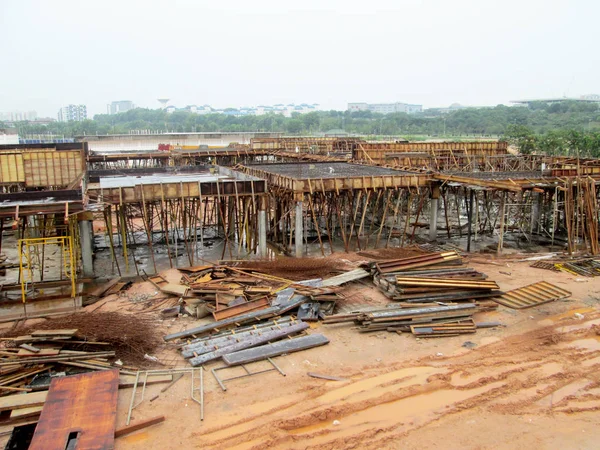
pixel 534 382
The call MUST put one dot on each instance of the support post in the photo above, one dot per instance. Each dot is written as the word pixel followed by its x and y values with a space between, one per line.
pixel 262 229
pixel 299 229
pixel 87 249
pixel 470 224
pixel 433 213
pixel 433 216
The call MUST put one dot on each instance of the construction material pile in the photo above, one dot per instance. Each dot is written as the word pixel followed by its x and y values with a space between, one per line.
pixel 33 356
pixel 244 344
pixel 227 292
pixel 586 267
pixel 249 310
pixel 437 296
pixel 434 277
pixel 430 321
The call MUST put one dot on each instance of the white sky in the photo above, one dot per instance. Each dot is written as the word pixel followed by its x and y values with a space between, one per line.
pixel 244 53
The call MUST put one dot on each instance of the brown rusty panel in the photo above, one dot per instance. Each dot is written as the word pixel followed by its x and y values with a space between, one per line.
pixel 85 405
pixel 242 308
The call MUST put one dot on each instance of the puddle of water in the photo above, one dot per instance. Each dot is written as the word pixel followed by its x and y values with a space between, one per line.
pixel 591 362
pixel 523 395
pixel 550 369
pixel 263 407
pixel 569 314
pixel 246 445
pixel 565 391
pixel 418 375
pixel 581 326
pixel 415 409
pixel 591 344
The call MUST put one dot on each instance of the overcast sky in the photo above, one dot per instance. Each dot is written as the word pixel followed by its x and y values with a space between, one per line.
pixel 245 53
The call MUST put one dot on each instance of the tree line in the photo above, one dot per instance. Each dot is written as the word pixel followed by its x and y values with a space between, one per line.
pixel 555 128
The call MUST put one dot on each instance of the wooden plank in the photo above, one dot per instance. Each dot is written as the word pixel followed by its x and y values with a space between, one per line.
pixel 100 290
pixel 53 333
pixel 138 426
pixel 41 352
pixel 18 401
pixel 30 348
pixel 175 289
pixel 347 277
pixel 25 412
pixel 275 349
pixel 85 405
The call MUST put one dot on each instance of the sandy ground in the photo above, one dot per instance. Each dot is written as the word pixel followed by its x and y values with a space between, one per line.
pixel 535 382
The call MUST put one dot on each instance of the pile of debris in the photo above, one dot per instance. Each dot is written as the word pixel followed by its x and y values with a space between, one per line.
pixel 227 292
pixel 34 356
pixel 431 321
pixel 252 313
pixel 587 267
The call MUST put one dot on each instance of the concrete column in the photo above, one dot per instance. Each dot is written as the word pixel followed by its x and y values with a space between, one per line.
pixel 433 217
pixel 535 211
pixel 87 249
pixel 299 229
pixel 262 232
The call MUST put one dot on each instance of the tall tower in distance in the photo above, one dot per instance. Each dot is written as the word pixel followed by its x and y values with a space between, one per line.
pixel 163 102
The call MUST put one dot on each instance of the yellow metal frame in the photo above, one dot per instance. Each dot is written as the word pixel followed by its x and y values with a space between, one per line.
pixel 29 253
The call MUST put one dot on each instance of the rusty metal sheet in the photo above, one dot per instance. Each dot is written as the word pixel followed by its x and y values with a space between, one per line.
pixel 532 295
pixel 81 407
pixel 242 308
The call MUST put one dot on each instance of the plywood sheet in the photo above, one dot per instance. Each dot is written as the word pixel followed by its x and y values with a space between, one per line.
pixel 51 168
pixel 11 168
pixel 84 406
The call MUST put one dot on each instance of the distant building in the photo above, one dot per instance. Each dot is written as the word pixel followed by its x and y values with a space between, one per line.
pixel 120 106
pixel 18 116
pixel 590 98
pixel 285 110
pixel 72 113
pixel 386 108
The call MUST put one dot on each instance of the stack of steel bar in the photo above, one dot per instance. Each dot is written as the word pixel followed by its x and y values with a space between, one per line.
pixel 437 277
pixel 429 321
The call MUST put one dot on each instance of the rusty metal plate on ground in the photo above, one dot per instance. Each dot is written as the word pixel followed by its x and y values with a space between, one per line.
pixel 80 412
pixel 532 295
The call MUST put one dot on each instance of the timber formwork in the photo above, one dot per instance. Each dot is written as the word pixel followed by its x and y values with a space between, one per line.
pixel 27 167
pixel 307 144
pixel 225 156
pixel 432 155
pixel 179 207
pixel 325 203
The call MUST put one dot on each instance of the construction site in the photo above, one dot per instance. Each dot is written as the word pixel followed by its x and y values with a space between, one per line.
pixel 297 292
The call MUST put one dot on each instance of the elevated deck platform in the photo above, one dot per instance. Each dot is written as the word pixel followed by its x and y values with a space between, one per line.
pixel 308 177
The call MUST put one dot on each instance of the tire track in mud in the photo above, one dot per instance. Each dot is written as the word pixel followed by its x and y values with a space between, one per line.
pixel 552 370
